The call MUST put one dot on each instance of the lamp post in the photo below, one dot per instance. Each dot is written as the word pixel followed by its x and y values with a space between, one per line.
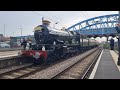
pixel 4 30
pixel 21 32
pixel 119 41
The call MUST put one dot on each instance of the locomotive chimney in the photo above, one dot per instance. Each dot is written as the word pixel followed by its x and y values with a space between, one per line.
pixel 46 22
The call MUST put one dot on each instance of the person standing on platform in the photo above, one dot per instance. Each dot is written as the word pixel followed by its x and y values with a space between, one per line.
pixel 112 44
pixel 24 44
pixel 30 43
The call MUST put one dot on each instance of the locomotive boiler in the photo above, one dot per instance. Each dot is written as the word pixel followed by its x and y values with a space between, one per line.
pixel 44 34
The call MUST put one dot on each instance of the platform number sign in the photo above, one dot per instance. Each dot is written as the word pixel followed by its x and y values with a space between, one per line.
pixel 117 28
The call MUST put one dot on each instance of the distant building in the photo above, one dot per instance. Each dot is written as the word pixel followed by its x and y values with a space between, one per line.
pixel 2 37
pixel 16 41
pixel 31 37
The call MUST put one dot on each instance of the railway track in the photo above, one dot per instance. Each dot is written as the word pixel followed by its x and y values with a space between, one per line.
pixel 55 71
pixel 80 69
pixel 91 66
pixel 22 73
pixel 25 71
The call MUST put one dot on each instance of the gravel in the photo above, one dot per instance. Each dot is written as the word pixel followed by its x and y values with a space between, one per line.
pixel 79 69
pixel 55 69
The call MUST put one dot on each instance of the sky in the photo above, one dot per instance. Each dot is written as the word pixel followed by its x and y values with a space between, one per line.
pixel 13 21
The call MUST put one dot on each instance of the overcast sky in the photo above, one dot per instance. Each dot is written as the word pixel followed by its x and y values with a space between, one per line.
pixel 14 20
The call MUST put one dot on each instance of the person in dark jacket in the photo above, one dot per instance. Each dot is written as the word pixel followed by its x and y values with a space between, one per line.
pixel 24 43
pixel 30 43
pixel 112 44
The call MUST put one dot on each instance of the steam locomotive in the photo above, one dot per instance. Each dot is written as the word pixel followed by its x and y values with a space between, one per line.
pixel 53 44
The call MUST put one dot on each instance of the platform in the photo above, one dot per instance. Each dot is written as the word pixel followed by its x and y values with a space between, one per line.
pixel 7 54
pixel 106 66
pixel 10 49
